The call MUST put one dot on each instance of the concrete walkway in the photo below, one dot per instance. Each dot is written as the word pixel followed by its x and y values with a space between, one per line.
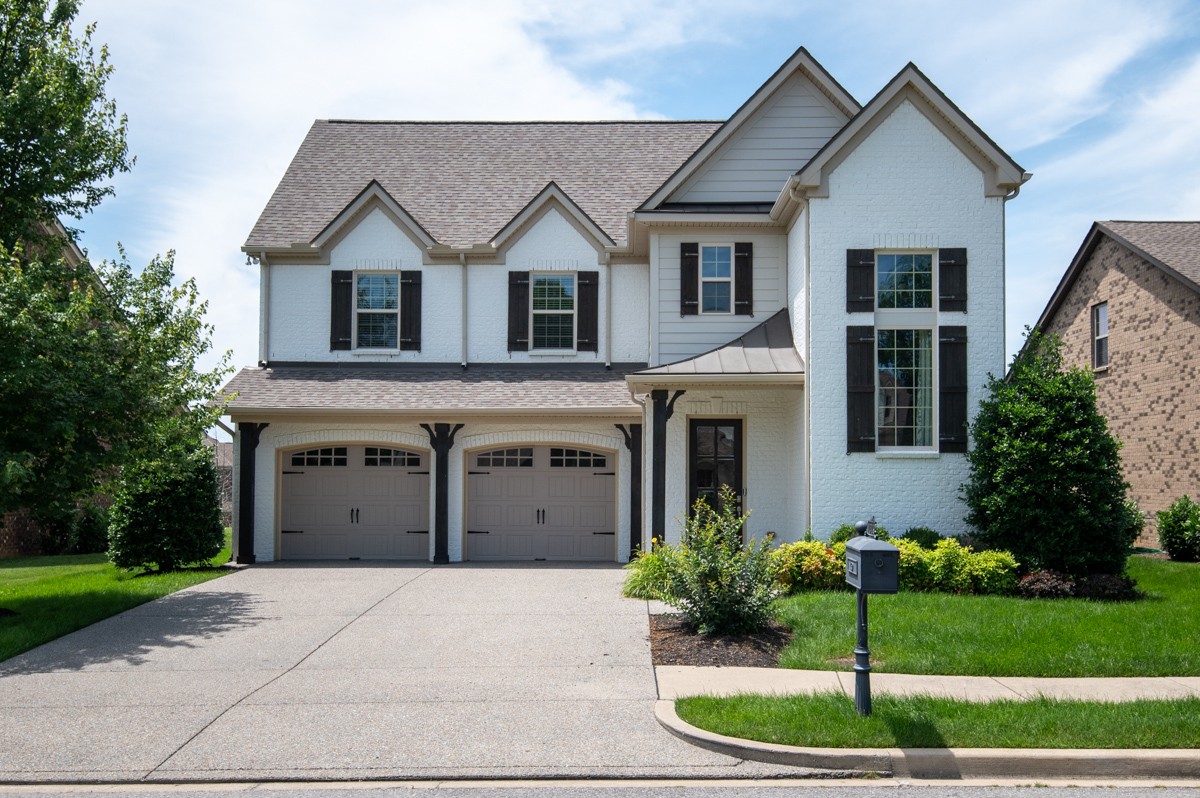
pixel 352 671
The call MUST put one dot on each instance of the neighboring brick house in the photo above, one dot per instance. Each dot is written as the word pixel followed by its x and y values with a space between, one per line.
pixel 532 340
pixel 1129 307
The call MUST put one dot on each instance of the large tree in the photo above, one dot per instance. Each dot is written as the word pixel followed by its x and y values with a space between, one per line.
pixel 98 367
pixel 61 138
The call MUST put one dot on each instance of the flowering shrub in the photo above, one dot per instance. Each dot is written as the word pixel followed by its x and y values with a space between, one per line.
pixel 647 578
pixel 810 565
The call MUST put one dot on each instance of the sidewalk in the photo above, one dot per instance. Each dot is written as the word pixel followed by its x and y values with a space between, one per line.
pixel 933 763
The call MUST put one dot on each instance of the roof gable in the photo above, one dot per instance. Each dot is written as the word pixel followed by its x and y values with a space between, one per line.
pixel 1001 173
pixel 371 198
pixel 801 75
pixel 551 198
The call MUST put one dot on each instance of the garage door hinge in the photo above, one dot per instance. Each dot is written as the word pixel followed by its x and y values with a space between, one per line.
pixel 484 473
pixel 413 473
pixel 291 531
pixel 477 532
pixel 604 533
pixel 293 472
pixel 604 473
pixel 416 532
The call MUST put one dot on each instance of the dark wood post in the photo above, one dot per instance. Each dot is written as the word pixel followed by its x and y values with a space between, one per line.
pixel 249 433
pixel 441 439
pixel 633 442
pixel 663 410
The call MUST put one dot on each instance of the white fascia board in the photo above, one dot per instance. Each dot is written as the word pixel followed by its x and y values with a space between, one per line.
pixel 325 413
pixel 373 194
pixel 551 195
pixel 709 219
pixel 725 380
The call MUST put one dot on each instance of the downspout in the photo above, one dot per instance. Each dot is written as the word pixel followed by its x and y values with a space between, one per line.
pixel 608 291
pixel 462 259
pixel 264 318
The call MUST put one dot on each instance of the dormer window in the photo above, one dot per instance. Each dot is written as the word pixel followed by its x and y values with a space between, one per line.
pixel 554 311
pixel 377 310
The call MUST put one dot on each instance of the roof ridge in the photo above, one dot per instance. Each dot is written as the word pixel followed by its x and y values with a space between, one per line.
pixel 515 122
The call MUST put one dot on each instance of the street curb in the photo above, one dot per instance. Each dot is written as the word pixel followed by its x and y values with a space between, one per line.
pixel 949 763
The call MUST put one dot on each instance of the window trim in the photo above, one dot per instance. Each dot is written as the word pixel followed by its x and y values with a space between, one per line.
pixel 727 280
pixel 934 389
pixel 1097 337
pixel 534 313
pixel 933 278
pixel 355 311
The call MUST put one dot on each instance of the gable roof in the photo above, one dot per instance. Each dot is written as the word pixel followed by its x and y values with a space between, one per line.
pixel 1001 173
pixel 801 61
pixel 551 197
pixel 464 181
pixel 1173 247
pixel 766 353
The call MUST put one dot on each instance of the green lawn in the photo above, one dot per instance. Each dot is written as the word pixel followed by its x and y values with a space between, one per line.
pixel 936 633
pixel 829 721
pixel 56 595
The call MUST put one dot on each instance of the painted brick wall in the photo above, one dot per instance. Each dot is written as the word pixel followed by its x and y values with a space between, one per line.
pixel 1148 391
pixel 906 186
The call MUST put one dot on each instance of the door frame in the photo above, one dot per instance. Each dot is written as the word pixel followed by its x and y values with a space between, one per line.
pixel 739 424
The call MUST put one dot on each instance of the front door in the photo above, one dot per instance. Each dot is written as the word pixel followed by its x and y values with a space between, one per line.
pixel 714 459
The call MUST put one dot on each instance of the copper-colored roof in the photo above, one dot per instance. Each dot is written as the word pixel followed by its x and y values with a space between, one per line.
pixel 464 181
pixel 1175 245
pixel 766 349
pixel 429 389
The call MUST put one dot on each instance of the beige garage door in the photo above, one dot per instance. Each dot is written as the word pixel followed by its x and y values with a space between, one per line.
pixel 355 502
pixel 541 503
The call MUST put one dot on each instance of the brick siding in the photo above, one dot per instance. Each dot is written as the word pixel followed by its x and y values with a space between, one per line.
pixel 1148 391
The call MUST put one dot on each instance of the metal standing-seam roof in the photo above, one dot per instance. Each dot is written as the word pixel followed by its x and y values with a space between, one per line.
pixel 464 181
pixel 765 350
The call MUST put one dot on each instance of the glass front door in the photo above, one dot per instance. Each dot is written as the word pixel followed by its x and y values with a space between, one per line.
pixel 714 458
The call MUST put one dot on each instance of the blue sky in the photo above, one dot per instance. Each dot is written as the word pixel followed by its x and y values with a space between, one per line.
pixel 1099 99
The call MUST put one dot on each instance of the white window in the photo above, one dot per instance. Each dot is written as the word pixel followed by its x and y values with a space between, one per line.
pixel 904 280
pixel 716 278
pixel 905 321
pixel 378 456
pixel 377 310
pixel 327 456
pixel 553 309
pixel 517 457
pixel 1100 335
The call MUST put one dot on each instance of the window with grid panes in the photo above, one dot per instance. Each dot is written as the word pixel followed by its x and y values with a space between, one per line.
pixel 377 310
pixel 553 308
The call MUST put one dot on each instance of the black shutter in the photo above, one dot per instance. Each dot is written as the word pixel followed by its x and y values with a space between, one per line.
pixel 952 280
pixel 860 389
pixel 952 389
pixel 588 303
pixel 410 311
pixel 743 279
pixel 860 280
pixel 341 309
pixel 518 311
pixel 689 279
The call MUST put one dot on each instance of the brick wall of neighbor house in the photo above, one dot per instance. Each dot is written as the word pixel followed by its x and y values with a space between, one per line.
pixel 19 535
pixel 1148 392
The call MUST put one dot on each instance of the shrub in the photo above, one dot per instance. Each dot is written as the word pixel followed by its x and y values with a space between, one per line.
pixel 89 529
pixel 1107 587
pixel 809 565
pixel 923 535
pixel 167 512
pixel 949 564
pixel 647 577
pixel 1045 480
pixel 847 531
pixel 992 573
pixel 1179 530
pixel 721 584
pixel 916 566
pixel 1044 583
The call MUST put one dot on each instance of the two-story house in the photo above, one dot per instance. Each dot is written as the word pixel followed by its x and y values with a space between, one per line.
pixel 527 341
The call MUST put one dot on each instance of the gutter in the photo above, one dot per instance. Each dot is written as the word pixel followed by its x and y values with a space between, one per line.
pixel 668 380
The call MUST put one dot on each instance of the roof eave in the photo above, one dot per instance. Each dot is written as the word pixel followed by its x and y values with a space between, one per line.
pixel 247 413
pixel 776 378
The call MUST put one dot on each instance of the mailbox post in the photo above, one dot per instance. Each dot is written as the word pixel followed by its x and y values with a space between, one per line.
pixel 872 566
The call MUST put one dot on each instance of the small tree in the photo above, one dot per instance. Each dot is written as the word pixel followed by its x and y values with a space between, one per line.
pixel 167 511
pixel 1045 480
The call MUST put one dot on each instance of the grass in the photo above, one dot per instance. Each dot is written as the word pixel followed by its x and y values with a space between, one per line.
pixel 56 595
pixel 828 720
pixel 937 633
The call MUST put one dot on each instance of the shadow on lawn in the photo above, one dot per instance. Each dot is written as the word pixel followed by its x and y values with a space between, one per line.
pixel 179 620
pixel 912 731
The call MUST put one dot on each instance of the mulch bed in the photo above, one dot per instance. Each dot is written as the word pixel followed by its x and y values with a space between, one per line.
pixel 675 642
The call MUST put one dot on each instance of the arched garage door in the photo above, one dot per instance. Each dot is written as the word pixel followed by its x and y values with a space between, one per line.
pixel 355 502
pixel 541 503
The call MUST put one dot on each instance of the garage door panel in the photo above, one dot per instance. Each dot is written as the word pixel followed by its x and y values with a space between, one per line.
pixel 378 486
pixel 487 486
pixel 520 487
pixel 519 545
pixel 596 517
pixel 335 486
pixel 596 487
pixel 520 515
pixel 596 547
pixel 560 516
pixel 562 487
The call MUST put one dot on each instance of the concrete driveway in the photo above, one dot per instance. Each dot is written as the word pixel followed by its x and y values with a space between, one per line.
pixel 354 670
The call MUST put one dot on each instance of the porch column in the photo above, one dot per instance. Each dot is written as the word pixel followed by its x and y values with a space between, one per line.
pixel 441 440
pixel 663 410
pixel 248 434
pixel 633 442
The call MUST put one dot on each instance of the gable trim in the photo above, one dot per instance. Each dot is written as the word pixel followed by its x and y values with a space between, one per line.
pixel 1001 173
pixel 551 197
pixel 801 61
pixel 373 196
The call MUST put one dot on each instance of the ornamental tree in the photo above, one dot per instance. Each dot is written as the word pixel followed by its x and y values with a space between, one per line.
pixel 1045 479
pixel 61 138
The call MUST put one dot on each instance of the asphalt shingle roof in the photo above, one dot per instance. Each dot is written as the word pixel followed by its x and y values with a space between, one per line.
pixel 766 349
pixel 430 389
pixel 463 181
pixel 1176 244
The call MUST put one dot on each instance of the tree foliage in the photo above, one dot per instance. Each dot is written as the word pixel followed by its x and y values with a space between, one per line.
pixel 99 366
pixel 61 138
pixel 1045 479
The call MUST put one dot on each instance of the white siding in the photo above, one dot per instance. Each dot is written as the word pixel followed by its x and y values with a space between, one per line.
pixel 905 186
pixel 780 138
pixel 631 313
pixel 680 337
pixel 797 274
pixel 300 294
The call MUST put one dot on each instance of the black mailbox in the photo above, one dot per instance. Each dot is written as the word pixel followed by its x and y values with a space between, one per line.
pixel 872 566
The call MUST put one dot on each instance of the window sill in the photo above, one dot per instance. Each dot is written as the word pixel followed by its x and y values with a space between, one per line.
pixel 916 454
pixel 373 352
pixel 552 353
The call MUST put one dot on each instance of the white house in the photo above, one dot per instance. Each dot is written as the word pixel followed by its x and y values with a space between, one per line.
pixel 527 341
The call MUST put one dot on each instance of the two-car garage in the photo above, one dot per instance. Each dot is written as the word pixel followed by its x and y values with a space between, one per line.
pixel 522 503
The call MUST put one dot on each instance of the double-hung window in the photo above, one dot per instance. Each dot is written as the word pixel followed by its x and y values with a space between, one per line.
pixel 553 309
pixel 716 278
pixel 905 321
pixel 377 310
pixel 1100 336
